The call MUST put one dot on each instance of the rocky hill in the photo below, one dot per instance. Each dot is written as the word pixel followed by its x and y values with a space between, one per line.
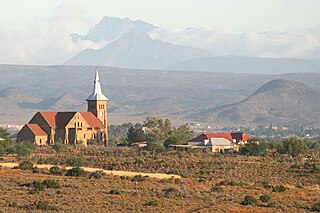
pixel 278 101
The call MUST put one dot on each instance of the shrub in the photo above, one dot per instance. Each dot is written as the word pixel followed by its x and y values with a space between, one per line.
pixel 97 174
pixel 77 172
pixel 77 162
pixel 115 192
pixel 316 207
pixel 55 170
pixel 280 188
pixel 138 178
pixel 152 203
pixel 43 205
pixel 26 165
pixel 216 188
pixel 266 185
pixel 155 147
pixel 50 183
pixel 265 198
pixel 59 145
pixel 227 183
pixel 37 186
pixel 172 192
pixel 249 200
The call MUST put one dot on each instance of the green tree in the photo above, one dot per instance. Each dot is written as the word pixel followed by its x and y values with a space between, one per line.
pixel 254 149
pixel 135 135
pixel 294 147
pixel 4 134
pixel 24 149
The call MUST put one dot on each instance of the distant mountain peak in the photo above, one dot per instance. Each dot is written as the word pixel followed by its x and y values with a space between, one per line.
pixel 112 28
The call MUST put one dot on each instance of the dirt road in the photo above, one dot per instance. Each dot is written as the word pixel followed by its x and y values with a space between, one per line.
pixel 110 172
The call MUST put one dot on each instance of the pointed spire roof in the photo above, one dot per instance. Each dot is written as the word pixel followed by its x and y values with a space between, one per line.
pixel 97 94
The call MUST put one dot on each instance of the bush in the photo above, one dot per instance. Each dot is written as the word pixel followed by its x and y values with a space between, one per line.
pixel 279 188
pixel 50 183
pixel 249 200
pixel 172 192
pixel 316 207
pixel 59 145
pixel 266 185
pixel 37 186
pixel 26 165
pixel 76 172
pixel 152 203
pixel 77 162
pixel 265 198
pixel 227 183
pixel 55 170
pixel 155 147
pixel 138 178
pixel 43 205
pixel 97 174
pixel 217 188
pixel 115 192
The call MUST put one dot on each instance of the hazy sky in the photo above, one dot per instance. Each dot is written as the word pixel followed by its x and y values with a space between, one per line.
pixel 236 15
pixel 38 31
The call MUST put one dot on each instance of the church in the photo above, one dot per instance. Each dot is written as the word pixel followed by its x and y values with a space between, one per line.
pixel 45 128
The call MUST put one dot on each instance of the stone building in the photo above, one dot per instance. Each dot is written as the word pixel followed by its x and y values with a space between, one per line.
pixel 45 128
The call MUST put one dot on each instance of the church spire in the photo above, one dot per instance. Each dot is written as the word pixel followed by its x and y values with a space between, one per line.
pixel 97 94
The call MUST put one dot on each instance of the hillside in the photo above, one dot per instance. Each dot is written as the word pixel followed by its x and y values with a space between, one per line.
pixel 133 94
pixel 278 101
pixel 249 65
pixel 137 50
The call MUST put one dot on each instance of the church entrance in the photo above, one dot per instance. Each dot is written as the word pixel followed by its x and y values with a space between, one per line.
pixel 72 135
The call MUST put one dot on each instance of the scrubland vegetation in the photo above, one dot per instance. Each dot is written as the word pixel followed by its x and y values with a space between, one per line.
pixel 265 177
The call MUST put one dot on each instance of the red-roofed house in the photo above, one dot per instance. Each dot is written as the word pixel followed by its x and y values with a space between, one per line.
pixel 220 142
pixel 45 128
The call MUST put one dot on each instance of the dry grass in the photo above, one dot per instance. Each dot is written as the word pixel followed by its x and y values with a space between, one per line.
pixel 189 194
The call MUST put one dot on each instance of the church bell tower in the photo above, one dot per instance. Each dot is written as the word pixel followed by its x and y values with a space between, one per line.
pixel 97 103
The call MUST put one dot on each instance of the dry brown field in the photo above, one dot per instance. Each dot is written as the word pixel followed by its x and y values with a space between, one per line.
pixel 234 177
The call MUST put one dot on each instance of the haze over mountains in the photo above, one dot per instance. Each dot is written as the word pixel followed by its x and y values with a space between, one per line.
pixel 212 98
pixel 138 50
pixel 140 45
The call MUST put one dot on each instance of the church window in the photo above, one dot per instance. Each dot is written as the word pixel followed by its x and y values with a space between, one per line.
pixel 84 135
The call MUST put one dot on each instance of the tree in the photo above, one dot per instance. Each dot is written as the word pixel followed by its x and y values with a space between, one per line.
pixel 254 149
pixel 135 135
pixel 294 147
pixel 24 149
pixel 4 134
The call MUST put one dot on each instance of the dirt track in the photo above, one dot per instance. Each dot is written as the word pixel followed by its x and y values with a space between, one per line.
pixel 110 172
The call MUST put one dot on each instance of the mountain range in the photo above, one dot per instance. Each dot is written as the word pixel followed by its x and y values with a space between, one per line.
pixel 140 45
pixel 206 97
pixel 137 50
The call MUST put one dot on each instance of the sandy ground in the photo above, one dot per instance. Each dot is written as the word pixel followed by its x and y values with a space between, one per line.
pixel 90 169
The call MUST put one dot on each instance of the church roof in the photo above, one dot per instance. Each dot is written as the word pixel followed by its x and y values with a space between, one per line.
pixel 92 120
pixel 97 94
pixel 36 129
pixel 61 119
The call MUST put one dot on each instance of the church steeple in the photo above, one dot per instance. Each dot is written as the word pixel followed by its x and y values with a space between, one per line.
pixel 97 94
pixel 97 102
